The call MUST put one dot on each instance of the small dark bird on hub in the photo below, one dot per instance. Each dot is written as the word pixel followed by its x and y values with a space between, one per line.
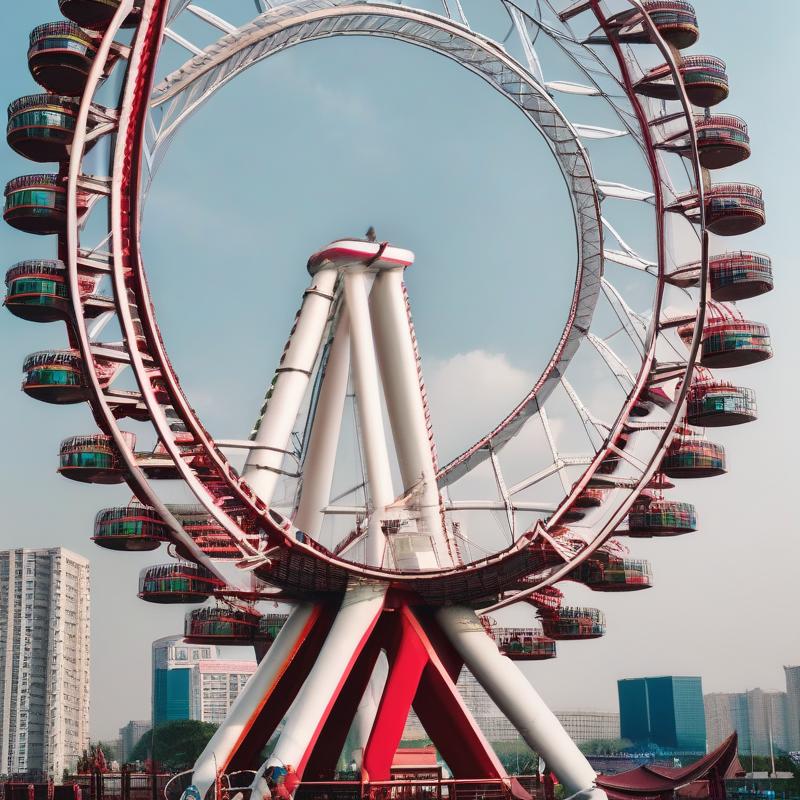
pixel 370 234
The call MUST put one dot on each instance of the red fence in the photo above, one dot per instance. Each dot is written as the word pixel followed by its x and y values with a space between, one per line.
pixel 99 786
pixel 144 786
pixel 406 790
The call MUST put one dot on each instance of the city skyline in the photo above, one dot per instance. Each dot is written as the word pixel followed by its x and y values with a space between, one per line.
pixel 702 570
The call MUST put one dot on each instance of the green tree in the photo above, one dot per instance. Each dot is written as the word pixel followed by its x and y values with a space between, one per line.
pixel 174 745
pixel 786 787
pixel 605 747
pixel 516 757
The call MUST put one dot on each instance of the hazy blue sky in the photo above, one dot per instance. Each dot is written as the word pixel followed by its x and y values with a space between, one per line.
pixel 265 175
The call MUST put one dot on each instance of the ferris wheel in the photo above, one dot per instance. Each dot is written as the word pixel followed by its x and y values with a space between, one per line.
pixel 411 563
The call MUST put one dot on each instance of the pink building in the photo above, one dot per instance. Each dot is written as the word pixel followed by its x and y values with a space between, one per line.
pixel 214 685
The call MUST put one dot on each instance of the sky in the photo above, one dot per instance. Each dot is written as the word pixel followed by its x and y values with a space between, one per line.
pixel 325 140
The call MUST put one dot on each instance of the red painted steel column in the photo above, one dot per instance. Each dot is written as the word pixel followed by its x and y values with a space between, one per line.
pixel 405 670
pixel 442 711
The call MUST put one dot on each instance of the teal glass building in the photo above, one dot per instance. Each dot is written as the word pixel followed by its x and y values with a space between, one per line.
pixel 173 660
pixel 666 712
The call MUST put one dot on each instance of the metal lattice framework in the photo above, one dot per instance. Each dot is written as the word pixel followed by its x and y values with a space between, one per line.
pixel 631 67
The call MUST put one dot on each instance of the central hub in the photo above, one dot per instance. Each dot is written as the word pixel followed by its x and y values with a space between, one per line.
pixel 360 254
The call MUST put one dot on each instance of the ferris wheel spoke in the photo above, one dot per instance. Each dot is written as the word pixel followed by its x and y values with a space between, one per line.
pixel 504 495
pixel 676 320
pixel 634 324
pixel 621 372
pixel 590 423
pixel 212 19
pixel 100 324
pixel 352 490
pixel 620 241
pixel 182 41
pixel 531 57
pixel 564 461
pixel 586 131
pixel 551 443
pixel 637 463
pixel 568 87
pixel 102 129
pixel 631 260
pixel 623 192
pixel 176 7
pixel 595 71
pixel 95 259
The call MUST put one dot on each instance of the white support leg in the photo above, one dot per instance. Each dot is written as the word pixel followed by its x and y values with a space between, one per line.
pixel 370 411
pixel 368 707
pixel 262 467
pixel 518 700
pixel 360 609
pixel 220 748
pixel 404 403
pixel 320 461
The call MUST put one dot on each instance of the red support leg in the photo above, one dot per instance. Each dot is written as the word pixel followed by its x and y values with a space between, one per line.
pixel 408 659
pixel 433 666
pixel 451 727
pixel 423 668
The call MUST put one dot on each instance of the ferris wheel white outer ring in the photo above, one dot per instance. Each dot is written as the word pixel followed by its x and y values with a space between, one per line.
pixel 109 424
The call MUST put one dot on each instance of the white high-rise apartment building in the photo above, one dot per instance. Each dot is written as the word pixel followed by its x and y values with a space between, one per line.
pixel 44 660
pixel 759 718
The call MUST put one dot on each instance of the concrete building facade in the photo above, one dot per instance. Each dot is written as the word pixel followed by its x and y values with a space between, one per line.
pixel 129 736
pixel 215 684
pixel 44 660
pixel 760 718
pixel 792 707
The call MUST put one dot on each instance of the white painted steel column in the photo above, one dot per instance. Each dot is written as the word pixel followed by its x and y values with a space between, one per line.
pixel 367 711
pixel 360 609
pixel 518 700
pixel 220 748
pixel 404 403
pixel 261 469
pixel 320 461
pixel 370 410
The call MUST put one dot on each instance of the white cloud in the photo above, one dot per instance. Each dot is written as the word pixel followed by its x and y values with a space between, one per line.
pixel 470 393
